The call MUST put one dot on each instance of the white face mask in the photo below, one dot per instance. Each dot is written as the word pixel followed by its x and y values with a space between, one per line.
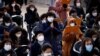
pixel 78 4
pixel 99 22
pixel 50 19
pixel 47 54
pixel 13 4
pixel 40 38
pixel 32 9
pixel 7 47
pixel 94 39
pixel 72 24
pixel 43 21
pixel 18 35
pixel 94 14
pixel 7 24
pixel 1 19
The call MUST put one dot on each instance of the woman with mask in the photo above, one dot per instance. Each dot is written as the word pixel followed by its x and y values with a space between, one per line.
pixel 31 16
pixel 19 38
pixel 7 49
pixel 88 48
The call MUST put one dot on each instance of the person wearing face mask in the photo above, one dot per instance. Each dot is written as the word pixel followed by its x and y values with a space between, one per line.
pixel 52 31
pixel 42 24
pixel 31 16
pixel 88 48
pixel 79 8
pixel 37 43
pixel 14 9
pixel 95 38
pixel 96 25
pixel 60 8
pixel 8 24
pixel 90 20
pixel 47 50
pixel 73 13
pixel 7 49
pixel 19 38
pixel 43 18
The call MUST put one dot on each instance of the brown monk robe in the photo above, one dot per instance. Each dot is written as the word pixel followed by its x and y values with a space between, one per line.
pixel 71 33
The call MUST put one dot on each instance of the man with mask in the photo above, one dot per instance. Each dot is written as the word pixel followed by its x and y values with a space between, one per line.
pixel 8 24
pixel 37 43
pixel 52 31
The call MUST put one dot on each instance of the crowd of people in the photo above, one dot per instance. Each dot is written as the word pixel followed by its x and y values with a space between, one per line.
pixel 44 33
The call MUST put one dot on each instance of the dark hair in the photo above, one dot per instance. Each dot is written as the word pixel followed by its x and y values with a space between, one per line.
pixel 76 1
pixel 36 33
pixel 28 8
pixel 84 41
pixel 90 33
pixel 64 6
pixel 46 46
pixel 97 19
pixel 15 30
pixel 43 16
pixel 5 41
pixel 92 9
pixel 72 11
pixel 51 14
pixel 1 14
pixel 7 18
